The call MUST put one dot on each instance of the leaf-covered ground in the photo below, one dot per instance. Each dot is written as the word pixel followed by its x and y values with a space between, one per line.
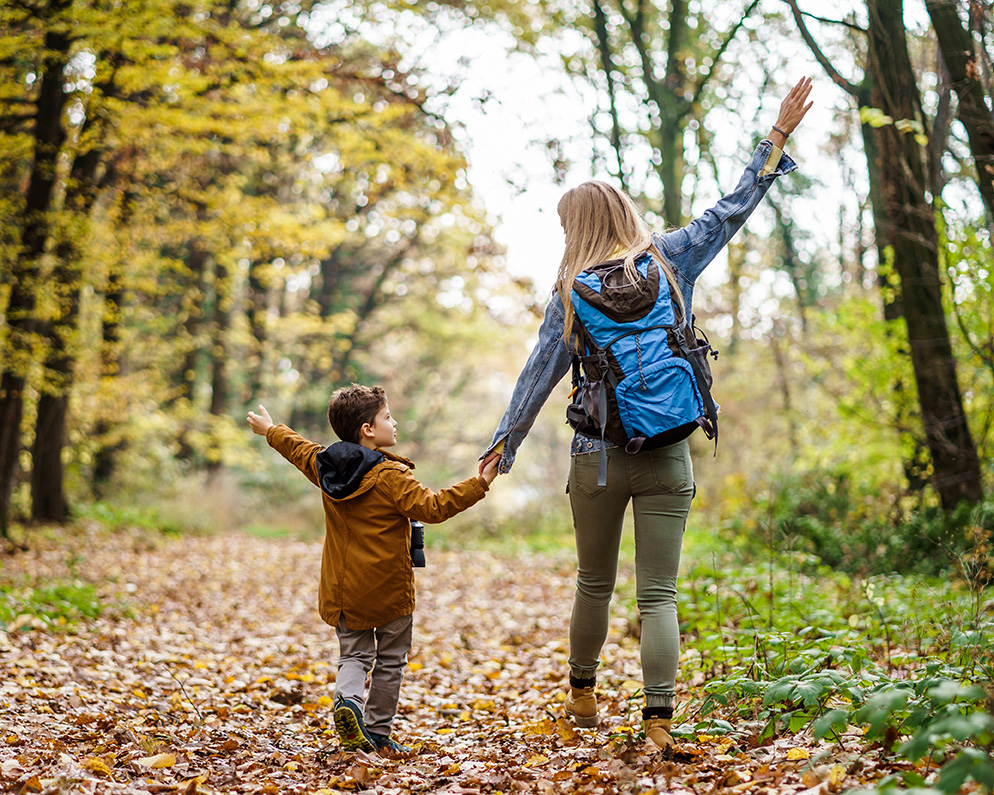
pixel 209 671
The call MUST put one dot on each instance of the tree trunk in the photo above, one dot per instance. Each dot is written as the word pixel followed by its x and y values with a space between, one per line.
pixel 607 66
pixel 911 236
pixel 219 357
pixel 668 99
pixel 48 502
pixel 736 270
pixel 111 365
pixel 791 262
pixel 104 459
pixel 959 54
pixel 35 230
pixel 667 94
pixel 891 297
pixel 191 322
pixel 781 359
pixel 883 149
pixel 258 305
pixel 11 411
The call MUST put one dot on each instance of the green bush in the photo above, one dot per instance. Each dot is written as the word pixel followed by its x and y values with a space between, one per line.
pixel 784 650
pixel 824 515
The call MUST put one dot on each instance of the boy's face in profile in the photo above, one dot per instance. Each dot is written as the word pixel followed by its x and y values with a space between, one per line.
pixel 384 429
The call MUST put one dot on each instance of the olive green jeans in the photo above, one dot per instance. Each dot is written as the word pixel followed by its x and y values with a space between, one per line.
pixel 660 486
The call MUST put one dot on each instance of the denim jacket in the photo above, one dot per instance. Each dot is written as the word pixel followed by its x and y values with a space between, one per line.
pixel 687 250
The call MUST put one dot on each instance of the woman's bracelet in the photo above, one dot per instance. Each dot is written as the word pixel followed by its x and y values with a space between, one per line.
pixel 777 129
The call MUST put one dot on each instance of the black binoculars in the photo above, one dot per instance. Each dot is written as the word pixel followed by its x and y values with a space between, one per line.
pixel 417 544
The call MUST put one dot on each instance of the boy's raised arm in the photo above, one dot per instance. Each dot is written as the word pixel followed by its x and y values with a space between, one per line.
pixel 291 445
pixel 260 423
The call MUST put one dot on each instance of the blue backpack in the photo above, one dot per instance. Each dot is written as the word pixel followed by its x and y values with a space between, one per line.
pixel 645 381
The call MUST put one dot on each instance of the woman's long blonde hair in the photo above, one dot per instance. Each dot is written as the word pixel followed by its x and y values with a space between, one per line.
pixel 602 223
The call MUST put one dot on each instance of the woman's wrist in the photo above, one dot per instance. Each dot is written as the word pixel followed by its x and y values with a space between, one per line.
pixel 777 137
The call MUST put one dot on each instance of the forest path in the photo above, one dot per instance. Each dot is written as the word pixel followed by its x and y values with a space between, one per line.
pixel 209 671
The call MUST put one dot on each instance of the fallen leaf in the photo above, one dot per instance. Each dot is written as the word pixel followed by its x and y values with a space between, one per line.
pixel 33 784
pixel 836 776
pixel 157 761
pixel 97 765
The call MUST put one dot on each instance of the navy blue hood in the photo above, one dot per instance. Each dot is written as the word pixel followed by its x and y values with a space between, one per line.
pixel 342 466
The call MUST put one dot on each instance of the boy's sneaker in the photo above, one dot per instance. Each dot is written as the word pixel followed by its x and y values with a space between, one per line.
pixel 385 744
pixel 350 727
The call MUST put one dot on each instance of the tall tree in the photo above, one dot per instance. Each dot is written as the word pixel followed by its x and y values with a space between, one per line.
pixel 628 37
pixel 975 104
pixel 905 235
pixel 45 135
pixel 242 142
pixel 57 325
pixel 912 237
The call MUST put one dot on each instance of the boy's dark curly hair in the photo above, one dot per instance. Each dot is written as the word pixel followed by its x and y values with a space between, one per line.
pixel 353 406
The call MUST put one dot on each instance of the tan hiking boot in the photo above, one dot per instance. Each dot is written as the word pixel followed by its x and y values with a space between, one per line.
pixel 581 706
pixel 658 731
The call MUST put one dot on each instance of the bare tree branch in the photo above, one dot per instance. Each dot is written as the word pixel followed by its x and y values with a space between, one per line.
pixel 607 64
pixel 850 25
pixel 720 52
pixel 850 88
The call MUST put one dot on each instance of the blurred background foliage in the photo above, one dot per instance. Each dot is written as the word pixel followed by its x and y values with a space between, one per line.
pixel 211 205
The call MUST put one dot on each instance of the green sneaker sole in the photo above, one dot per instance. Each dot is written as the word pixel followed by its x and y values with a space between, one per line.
pixel 349 731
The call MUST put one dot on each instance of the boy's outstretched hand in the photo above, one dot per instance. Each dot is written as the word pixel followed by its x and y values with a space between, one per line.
pixel 261 422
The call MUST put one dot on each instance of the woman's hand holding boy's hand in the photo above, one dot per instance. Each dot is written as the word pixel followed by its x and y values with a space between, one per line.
pixel 494 456
pixel 260 423
pixel 488 470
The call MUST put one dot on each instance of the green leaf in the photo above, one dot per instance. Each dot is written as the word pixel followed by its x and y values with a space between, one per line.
pixel 798 720
pixel 834 720
pixel 811 691
pixel 977 725
pixel 780 690
pixel 879 709
pixel 968 764
pixel 874 117
pixel 948 690
pixel 912 779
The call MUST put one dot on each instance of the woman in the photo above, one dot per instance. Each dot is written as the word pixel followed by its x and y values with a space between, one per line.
pixel 602 223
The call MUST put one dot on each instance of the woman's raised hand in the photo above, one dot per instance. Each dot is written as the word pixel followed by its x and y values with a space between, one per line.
pixel 794 106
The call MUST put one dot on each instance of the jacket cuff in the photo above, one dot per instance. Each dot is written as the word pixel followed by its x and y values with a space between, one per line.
pixel 777 163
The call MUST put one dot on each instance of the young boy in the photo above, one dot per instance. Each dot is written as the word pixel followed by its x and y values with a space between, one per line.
pixel 367 580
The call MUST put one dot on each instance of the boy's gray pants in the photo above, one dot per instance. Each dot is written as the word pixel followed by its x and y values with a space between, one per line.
pixel 382 650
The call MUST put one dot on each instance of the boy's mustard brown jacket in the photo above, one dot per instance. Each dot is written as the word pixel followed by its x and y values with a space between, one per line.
pixel 369 498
